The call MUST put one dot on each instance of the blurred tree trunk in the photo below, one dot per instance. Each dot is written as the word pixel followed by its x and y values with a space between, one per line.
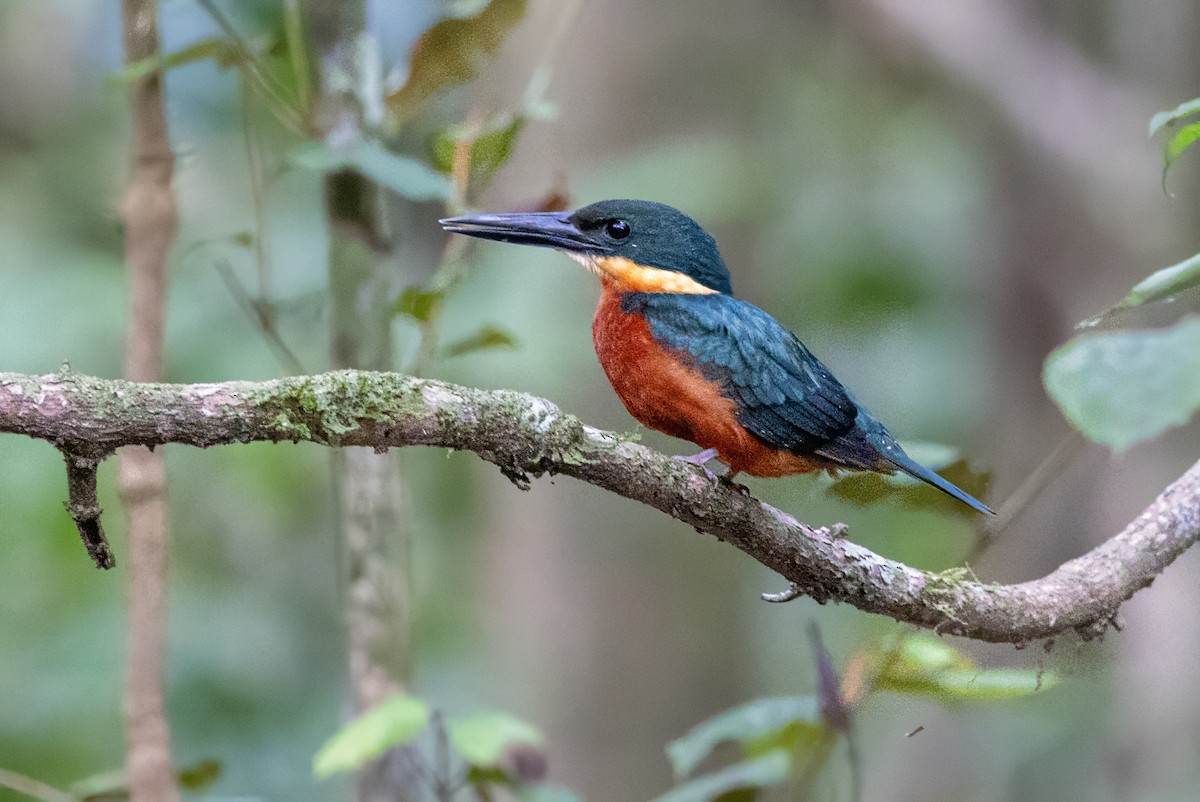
pixel 372 514
pixel 150 216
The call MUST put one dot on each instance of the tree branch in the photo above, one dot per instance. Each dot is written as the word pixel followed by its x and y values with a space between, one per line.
pixel 524 435
pixel 85 508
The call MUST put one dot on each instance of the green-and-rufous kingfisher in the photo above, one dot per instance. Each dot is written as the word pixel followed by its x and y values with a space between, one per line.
pixel 689 359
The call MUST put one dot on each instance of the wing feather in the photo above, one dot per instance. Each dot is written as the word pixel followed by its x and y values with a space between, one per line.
pixel 784 395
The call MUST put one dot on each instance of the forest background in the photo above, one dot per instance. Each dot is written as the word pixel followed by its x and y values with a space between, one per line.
pixel 931 199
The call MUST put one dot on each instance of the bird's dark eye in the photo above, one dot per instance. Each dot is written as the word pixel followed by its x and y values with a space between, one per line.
pixel 617 229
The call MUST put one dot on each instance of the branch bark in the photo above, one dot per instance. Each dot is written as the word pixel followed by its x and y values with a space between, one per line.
pixel 150 215
pixel 527 436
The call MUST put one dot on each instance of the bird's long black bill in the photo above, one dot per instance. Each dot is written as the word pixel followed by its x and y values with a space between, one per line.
pixel 544 229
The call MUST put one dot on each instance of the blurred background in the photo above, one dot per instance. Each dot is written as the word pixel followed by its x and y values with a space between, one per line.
pixel 931 195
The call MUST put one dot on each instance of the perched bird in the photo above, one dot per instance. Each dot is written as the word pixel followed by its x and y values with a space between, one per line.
pixel 689 359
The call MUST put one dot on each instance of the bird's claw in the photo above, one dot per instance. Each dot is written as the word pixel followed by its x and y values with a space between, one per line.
pixel 737 486
pixel 703 458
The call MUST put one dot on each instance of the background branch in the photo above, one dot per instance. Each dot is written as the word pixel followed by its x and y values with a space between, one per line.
pixel 526 436
pixel 151 220
pixel 372 517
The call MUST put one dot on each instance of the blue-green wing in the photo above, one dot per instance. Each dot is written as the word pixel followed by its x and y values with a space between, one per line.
pixel 783 393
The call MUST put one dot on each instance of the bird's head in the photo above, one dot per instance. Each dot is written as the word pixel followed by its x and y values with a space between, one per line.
pixel 632 245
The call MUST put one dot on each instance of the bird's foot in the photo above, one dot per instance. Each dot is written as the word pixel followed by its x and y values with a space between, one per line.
pixel 704 457
pixel 700 460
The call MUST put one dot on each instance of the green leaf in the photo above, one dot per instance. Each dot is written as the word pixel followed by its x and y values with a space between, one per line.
pixel 488 337
pixel 484 738
pixel 758 719
pixel 417 303
pixel 1178 144
pixel 403 175
pixel 200 775
pixel 1159 285
pixel 1119 388
pixel 489 150
pixel 450 52
pixel 1165 118
pixel 995 683
pixel 926 666
pixel 771 769
pixel 219 50
pixel 394 722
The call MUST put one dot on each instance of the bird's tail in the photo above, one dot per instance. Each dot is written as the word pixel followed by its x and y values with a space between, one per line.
pixel 915 469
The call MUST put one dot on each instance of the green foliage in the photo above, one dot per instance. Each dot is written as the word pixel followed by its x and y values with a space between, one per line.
pixel 749 723
pixel 417 303
pixel 1183 138
pixel 481 738
pixel 1119 388
pixel 870 488
pixel 770 735
pixel 496 749
pixel 485 339
pixel 1167 118
pixel 1122 387
pixel 395 722
pixel 1158 286
pixel 449 53
pixel 488 150
pixel 199 776
pixel 788 739
pixel 925 665
pixel 733 782
pixel 1179 143
pixel 405 176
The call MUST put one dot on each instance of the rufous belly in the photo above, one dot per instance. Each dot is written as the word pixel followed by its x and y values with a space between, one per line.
pixel 665 394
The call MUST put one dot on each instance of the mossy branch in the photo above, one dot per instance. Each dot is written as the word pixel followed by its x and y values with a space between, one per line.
pixel 527 436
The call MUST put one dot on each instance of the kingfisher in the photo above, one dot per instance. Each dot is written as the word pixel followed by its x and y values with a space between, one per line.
pixel 689 359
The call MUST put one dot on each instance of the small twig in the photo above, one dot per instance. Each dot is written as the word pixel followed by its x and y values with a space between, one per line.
pixel 793 592
pixel 33 788
pixel 84 507
pixel 276 98
pixel 254 164
pixel 1057 461
pixel 259 312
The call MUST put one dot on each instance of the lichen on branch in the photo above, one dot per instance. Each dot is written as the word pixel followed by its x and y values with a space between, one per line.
pixel 526 436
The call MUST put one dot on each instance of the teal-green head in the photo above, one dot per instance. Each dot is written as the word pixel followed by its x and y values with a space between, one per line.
pixel 632 245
